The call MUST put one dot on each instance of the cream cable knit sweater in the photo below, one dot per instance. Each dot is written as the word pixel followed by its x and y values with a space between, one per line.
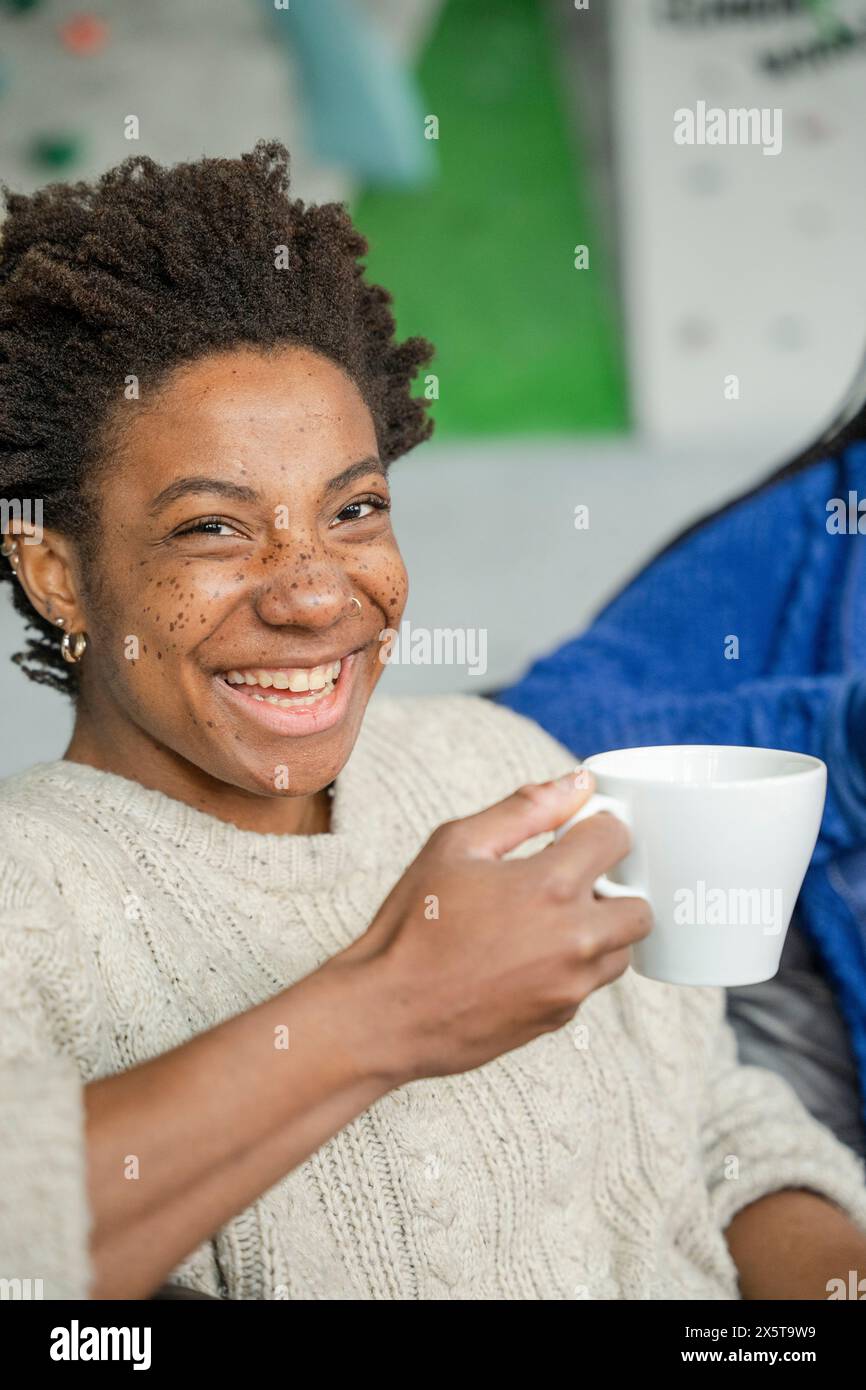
pixel 601 1161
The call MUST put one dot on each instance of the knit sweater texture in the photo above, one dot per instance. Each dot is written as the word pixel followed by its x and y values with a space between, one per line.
pixel 601 1161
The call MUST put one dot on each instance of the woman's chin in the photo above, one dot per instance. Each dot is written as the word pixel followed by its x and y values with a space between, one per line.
pixel 275 781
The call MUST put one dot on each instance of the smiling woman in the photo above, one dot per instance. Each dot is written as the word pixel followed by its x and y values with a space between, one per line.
pixel 247 494
pixel 269 1042
pixel 281 584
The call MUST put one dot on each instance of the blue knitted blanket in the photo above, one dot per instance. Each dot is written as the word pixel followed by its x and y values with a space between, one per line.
pixel 751 629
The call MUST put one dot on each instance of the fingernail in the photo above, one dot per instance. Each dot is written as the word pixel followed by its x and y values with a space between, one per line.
pixel 575 781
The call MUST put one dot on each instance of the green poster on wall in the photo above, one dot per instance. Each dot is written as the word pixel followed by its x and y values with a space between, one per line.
pixel 482 259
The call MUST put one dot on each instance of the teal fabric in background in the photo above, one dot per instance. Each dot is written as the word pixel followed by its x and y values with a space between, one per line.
pixel 362 104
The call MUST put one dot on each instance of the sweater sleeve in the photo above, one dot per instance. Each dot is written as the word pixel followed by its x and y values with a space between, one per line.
pixel 44 1218
pixel 758 1138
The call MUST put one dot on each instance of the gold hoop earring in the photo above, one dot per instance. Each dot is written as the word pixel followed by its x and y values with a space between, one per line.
pixel 73 646
pixel 9 548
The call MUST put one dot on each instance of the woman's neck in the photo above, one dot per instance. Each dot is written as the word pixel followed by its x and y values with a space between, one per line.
pixel 153 765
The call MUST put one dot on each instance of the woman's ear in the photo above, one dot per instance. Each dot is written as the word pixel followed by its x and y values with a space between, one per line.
pixel 44 564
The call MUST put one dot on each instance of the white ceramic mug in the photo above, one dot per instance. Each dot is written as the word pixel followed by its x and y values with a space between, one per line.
pixel 721 841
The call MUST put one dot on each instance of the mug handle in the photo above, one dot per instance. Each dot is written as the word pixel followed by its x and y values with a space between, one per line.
pixel 603 886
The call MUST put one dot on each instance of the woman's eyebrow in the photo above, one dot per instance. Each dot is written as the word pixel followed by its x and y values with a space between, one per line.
pixel 238 492
pixel 356 470
pixel 183 487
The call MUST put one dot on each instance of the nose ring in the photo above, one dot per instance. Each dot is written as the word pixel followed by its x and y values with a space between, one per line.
pixel 357 603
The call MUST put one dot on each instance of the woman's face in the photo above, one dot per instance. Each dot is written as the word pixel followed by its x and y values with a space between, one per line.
pixel 246 509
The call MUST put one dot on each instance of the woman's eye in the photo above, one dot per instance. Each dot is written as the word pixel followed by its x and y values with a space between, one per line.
pixel 363 507
pixel 208 526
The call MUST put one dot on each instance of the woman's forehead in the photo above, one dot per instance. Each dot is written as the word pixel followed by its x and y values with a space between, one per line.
pixel 276 383
pixel 250 411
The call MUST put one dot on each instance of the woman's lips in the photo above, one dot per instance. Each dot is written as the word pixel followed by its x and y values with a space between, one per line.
pixel 290 720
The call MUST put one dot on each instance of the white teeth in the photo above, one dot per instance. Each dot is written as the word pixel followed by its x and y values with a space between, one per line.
pixel 293 704
pixel 319 676
pixel 297 679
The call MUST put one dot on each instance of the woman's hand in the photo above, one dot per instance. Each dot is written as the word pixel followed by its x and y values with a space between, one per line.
pixel 468 957
pixel 474 955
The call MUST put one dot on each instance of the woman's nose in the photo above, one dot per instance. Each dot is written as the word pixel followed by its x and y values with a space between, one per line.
pixel 310 593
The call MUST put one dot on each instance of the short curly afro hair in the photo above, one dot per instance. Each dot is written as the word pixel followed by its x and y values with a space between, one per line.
pixel 147 269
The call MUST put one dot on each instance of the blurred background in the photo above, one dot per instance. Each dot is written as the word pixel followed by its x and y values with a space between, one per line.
pixel 594 289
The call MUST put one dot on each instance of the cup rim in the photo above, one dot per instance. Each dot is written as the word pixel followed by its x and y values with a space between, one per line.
pixel 812 765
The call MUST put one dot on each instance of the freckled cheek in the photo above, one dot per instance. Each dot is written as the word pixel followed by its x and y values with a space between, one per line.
pixel 175 615
pixel 392 585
